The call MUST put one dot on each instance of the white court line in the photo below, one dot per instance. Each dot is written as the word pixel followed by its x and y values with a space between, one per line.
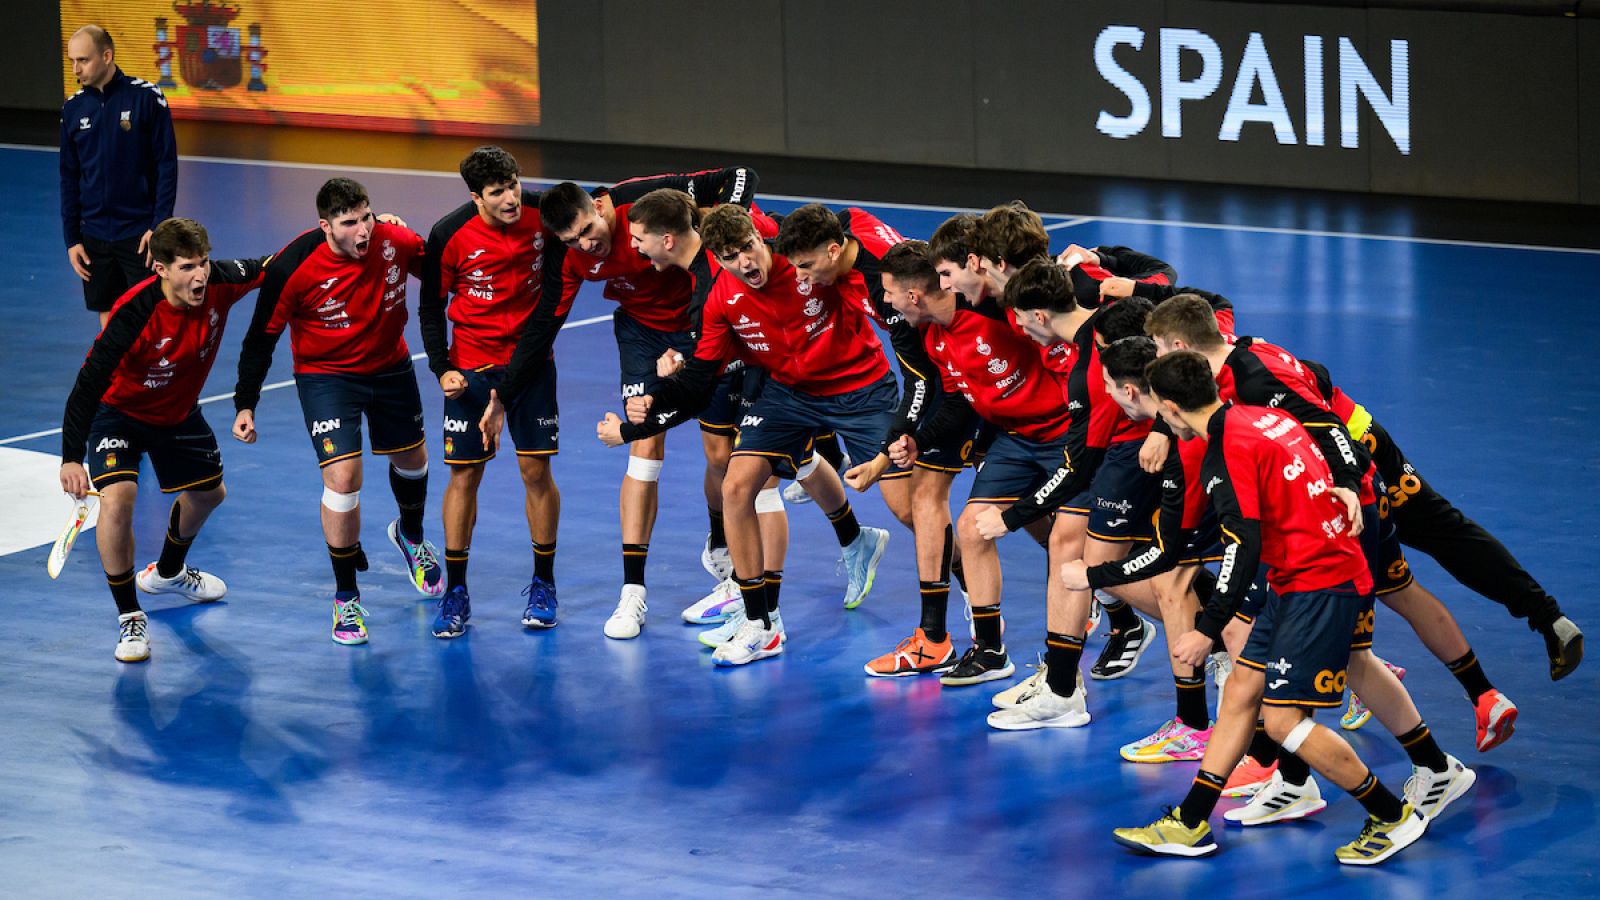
pixel 1080 220
pixel 1074 218
pixel 281 384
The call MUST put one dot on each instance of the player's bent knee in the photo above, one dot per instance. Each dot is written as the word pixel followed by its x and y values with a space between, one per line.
pixel 339 501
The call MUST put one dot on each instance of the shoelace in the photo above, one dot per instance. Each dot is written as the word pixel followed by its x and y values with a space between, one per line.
pixel 191 578
pixel 451 605
pixel 134 629
pixel 423 554
pixel 631 605
pixel 541 599
pixel 350 612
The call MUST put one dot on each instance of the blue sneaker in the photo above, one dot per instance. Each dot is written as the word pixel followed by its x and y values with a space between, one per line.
pixel 422 562
pixel 861 563
pixel 455 608
pixel 541 611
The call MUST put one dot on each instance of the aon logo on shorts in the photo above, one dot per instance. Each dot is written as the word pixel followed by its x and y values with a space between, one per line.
pixel 459 426
pixel 1328 682
pixel 751 422
pixel 110 443
pixel 324 426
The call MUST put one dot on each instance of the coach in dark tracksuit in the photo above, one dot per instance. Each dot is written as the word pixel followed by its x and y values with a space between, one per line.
pixel 119 170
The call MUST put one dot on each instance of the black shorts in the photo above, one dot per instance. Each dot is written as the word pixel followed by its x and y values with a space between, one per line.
pixel 114 267
pixel 333 406
pixel 184 456
pixel 1204 543
pixel 1380 543
pixel 949 455
pixel 1302 643
pixel 639 347
pixel 1014 467
pixel 783 423
pixel 1122 499
pixel 533 420
pixel 735 394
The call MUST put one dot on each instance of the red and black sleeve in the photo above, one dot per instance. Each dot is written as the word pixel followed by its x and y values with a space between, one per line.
pixel 539 332
pixel 708 187
pixel 437 279
pixel 94 377
pixel 255 356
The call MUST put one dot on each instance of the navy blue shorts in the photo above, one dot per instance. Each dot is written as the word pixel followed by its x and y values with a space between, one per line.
pixel 533 420
pixel 949 454
pixel 1122 500
pixel 639 347
pixel 1013 467
pixel 1380 543
pixel 334 404
pixel 1302 643
pixel 1204 543
pixel 782 424
pixel 735 394
pixel 184 456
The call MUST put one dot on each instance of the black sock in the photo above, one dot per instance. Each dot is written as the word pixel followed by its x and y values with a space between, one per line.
pixel 1470 674
pixel 1293 769
pixel 1121 615
pixel 1192 701
pixel 956 569
pixel 347 561
pixel 633 559
pixel 845 525
pixel 718 538
pixel 544 562
pixel 754 592
pixel 123 592
pixel 1061 655
pixel 1423 749
pixel 1378 801
pixel 175 548
pixel 827 447
pixel 1202 799
pixel 935 600
pixel 411 495
pixel 1263 749
pixel 455 568
pixel 986 625
pixel 774 582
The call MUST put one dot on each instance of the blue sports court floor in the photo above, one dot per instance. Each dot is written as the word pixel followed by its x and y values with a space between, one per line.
pixel 252 756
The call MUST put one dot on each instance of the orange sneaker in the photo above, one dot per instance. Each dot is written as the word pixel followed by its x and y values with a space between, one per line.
pixel 1497 718
pixel 1248 777
pixel 916 655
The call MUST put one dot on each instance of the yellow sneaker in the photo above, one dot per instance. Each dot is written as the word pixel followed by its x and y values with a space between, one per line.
pixel 1168 836
pixel 1380 840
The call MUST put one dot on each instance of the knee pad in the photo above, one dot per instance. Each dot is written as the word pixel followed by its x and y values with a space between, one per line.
pixel 807 470
pixel 338 502
pixel 770 500
pixel 412 474
pixel 1298 735
pixel 641 469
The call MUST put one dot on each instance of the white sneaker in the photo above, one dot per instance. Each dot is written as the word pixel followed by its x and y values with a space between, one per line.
pixel 191 583
pixel 1279 801
pixel 1008 698
pixel 753 641
pixel 716 637
pixel 860 563
pixel 1044 708
pixel 625 623
pixel 1429 792
pixel 716 561
pixel 794 492
pixel 133 641
pixel 716 606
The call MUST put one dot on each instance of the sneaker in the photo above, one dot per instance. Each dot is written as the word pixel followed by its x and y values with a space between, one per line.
pixel 1220 666
pixel 133 637
pixel 753 641
pixel 541 609
pixel 455 608
pixel 1357 714
pixel 1096 610
pixel 794 492
pixel 716 606
pixel 1563 642
pixel 1429 792
pixel 1279 801
pixel 1497 718
pixel 1011 695
pixel 977 665
pixel 716 561
pixel 860 563
pixel 916 655
pixel 1122 652
pixel 1249 777
pixel 1380 840
pixel 716 637
pixel 1172 742
pixel 1168 836
pixel 1044 708
pixel 422 562
pixel 349 624
pixel 628 618
pixel 191 584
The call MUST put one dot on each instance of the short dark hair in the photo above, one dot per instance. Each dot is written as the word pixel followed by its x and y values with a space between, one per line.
pixel 952 241
pixel 1185 378
pixel 1040 284
pixel 665 211
pixel 100 36
pixel 559 206
pixel 727 228
pixel 489 165
pixel 911 262
pixel 179 237
pixel 811 227
pixel 1188 318
pixel 1012 234
pixel 1124 318
pixel 1126 359
pixel 340 195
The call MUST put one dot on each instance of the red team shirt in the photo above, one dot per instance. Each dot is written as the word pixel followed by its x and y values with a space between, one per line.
pixel 495 273
pixel 998 370
pixel 658 300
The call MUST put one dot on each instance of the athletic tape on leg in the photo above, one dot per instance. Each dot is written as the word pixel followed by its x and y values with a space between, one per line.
pixel 338 502
pixel 807 470
pixel 1298 735
pixel 769 500
pixel 641 469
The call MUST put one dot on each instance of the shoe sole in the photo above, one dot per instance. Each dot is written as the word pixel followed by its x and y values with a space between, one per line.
pixel 394 539
pixel 447 635
pixel 624 637
pixel 1296 811
pixel 1355 724
pixel 349 642
pixel 134 659
pixel 1071 720
pixel 1137 655
pixel 991 675
pixel 716 619
pixel 536 625
pixel 756 657
pixel 1500 733
pixel 1166 849
pixel 1154 759
pixel 872 570
pixel 906 673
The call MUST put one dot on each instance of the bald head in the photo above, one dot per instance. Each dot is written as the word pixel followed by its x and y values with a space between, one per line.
pixel 91 52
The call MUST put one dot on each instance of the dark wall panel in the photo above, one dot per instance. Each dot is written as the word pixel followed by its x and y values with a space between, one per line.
pixel 888 81
pixel 1589 109
pixel 30 55
pixel 573 75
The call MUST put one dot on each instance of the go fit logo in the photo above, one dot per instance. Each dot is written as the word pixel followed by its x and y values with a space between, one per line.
pixel 1356 81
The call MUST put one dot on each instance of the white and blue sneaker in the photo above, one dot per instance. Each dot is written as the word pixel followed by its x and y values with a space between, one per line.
pixel 541 609
pixel 861 563
pixel 455 608
pixel 716 606
pixel 753 641
pixel 716 560
pixel 716 637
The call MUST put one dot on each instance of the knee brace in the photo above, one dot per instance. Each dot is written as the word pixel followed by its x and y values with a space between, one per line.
pixel 807 470
pixel 770 500
pixel 337 502
pixel 1298 735
pixel 641 469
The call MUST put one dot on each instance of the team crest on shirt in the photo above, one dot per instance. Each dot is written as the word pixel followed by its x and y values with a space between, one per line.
pixel 983 348
pixel 393 275
pixel 388 251
pixel 804 287
pixel 538 241
pixel 127 120
pixel 327 445
pixel 84 123
pixel 814 306
pixel 997 366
